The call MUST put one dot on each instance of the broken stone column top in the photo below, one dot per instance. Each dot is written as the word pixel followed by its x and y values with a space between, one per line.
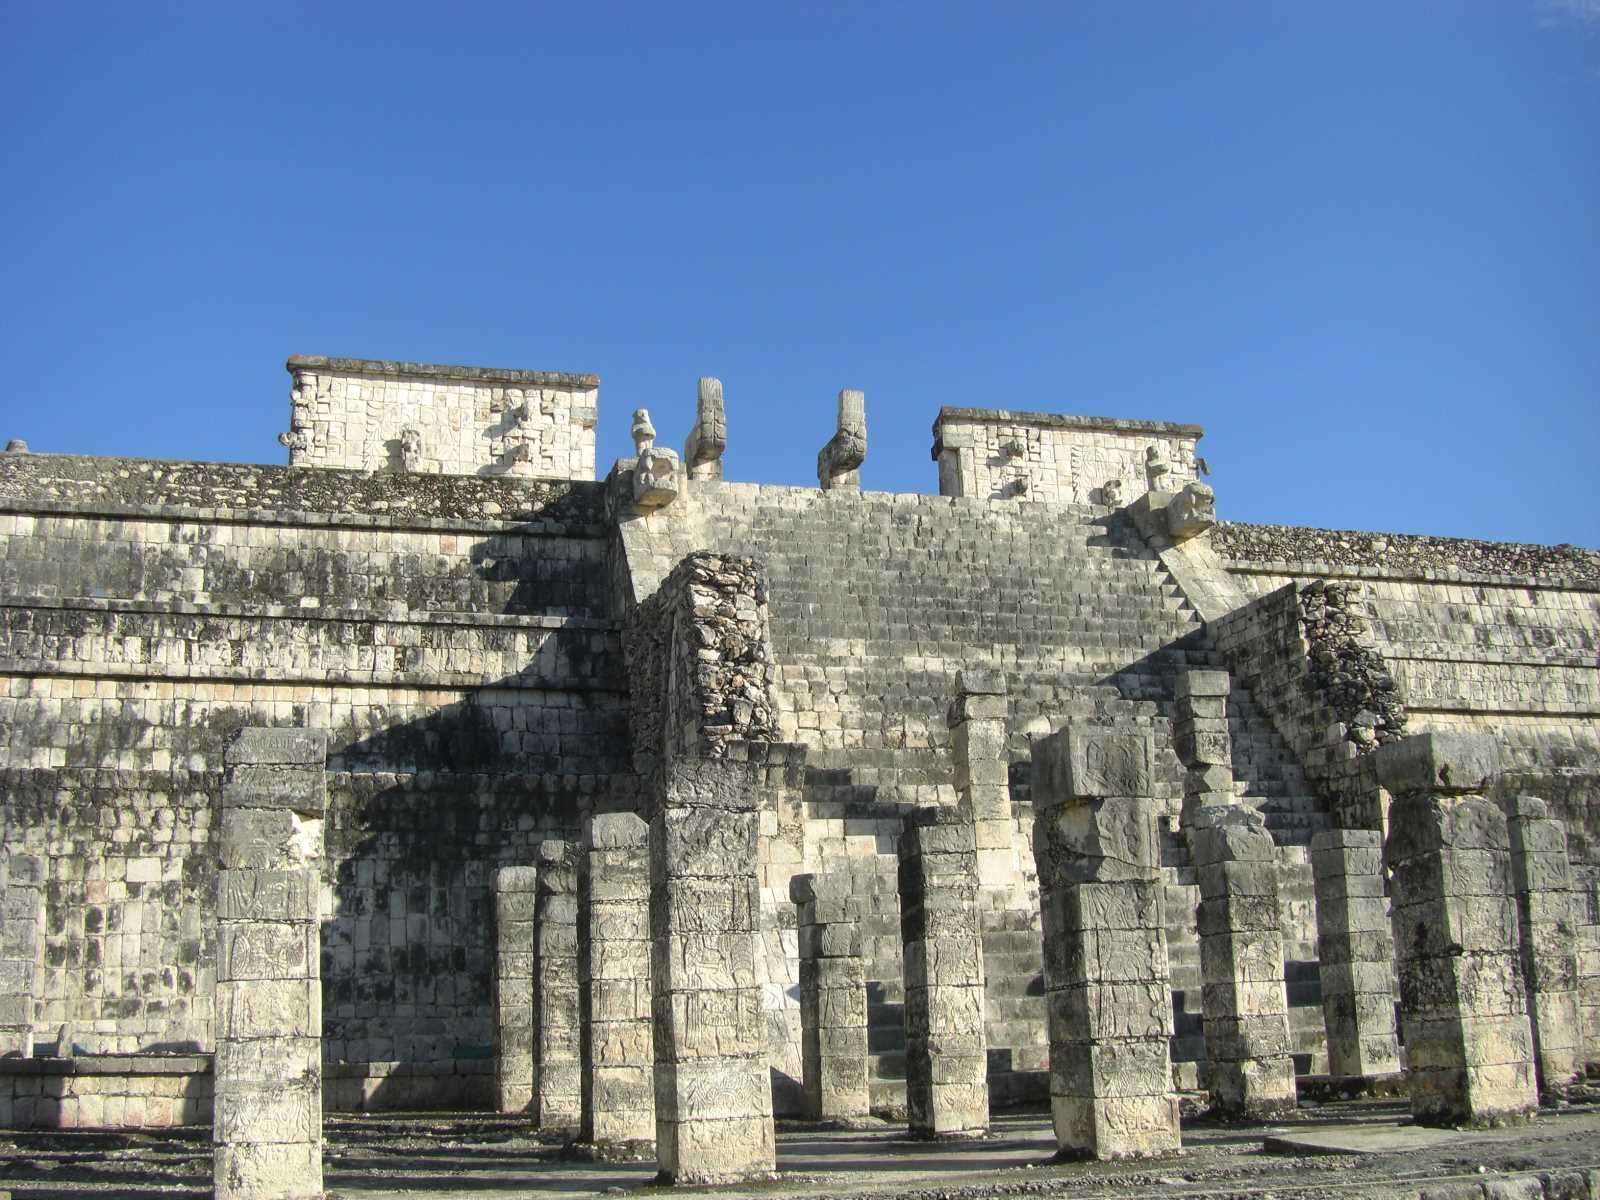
pixel 980 681
pixel 1090 763
pixel 1194 683
pixel 558 865
pixel 616 831
pixel 1438 763
pixel 1229 833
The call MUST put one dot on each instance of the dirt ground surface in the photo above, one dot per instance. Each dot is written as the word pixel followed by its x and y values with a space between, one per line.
pixel 474 1156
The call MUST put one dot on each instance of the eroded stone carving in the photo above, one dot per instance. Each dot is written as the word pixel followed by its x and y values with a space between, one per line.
pixel 1468 1042
pixel 1106 974
pixel 833 998
pixel 839 462
pixel 514 900
pixel 1356 951
pixel 1248 1069
pixel 614 925
pixel 655 478
pixel 1192 511
pixel 1111 493
pixel 1157 470
pixel 267 1117
pixel 410 450
pixel 947 1087
pixel 702 451
pixel 1541 874
pixel 643 432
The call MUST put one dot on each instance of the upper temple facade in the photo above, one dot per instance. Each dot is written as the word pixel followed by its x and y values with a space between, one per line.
pixel 501 642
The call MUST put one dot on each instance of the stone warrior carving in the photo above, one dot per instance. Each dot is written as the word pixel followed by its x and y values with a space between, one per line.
pixel 839 462
pixel 410 450
pixel 644 433
pixel 1111 493
pixel 702 452
pixel 1158 471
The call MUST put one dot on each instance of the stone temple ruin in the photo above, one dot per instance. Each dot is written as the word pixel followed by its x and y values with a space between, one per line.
pixel 431 772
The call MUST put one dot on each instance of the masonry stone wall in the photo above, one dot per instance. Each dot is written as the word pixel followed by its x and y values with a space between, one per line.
pixel 452 637
pixel 1480 636
pixel 421 418
pixel 460 639
pixel 994 454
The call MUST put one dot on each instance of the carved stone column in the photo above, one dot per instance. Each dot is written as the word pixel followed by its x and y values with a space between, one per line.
pixel 514 898
pixel 1107 981
pixel 713 1091
pixel 267 1118
pixel 1469 1047
pixel 557 1027
pixel 977 722
pixel 833 998
pixel 947 1086
pixel 618 1062
pixel 1248 1068
pixel 1202 741
pixel 21 926
pixel 1542 876
pixel 1355 950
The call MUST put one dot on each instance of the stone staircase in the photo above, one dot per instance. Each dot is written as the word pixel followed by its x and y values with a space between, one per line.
pixel 878 601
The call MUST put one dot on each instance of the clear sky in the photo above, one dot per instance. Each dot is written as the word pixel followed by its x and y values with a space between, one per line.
pixel 1359 243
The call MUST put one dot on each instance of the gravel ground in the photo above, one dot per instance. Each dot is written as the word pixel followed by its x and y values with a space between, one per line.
pixel 474 1156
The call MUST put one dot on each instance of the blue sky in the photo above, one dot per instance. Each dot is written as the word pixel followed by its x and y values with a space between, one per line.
pixel 1359 243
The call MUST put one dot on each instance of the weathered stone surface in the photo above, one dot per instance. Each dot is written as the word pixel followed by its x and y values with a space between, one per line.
pixel 515 900
pixel 1248 1069
pixel 1541 876
pixel 1106 970
pixel 1468 1041
pixel 267 1113
pixel 708 438
pixel 557 1020
pixel 457 637
pixel 1445 764
pixel 21 931
pixel 713 1098
pixel 947 1092
pixel 1355 948
pixel 833 1002
pixel 839 462
pixel 618 1101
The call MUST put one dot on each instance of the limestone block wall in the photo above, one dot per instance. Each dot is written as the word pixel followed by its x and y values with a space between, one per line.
pixel 419 417
pixel 876 602
pixel 995 454
pixel 450 634
pixel 1480 636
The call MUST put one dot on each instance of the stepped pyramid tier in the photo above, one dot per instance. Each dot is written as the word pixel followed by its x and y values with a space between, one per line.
pixel 498 655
